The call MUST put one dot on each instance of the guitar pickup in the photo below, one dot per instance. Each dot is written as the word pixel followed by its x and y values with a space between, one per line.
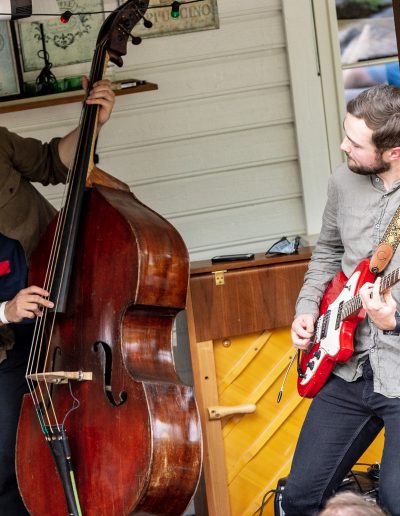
pixel 325 323
pixel 339 315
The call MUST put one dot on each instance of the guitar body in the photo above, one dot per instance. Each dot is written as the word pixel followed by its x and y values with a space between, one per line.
pixel 333 337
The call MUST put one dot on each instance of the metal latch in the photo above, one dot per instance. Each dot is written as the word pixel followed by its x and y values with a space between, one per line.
pixel 219 277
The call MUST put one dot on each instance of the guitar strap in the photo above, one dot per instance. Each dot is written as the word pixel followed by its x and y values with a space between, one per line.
pixel 387 246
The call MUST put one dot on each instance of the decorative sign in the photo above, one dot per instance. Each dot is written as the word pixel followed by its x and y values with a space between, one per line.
pixel 193 16
pixel 9 83
pixel 69 43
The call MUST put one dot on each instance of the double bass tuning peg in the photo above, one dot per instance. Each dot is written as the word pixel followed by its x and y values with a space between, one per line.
pixel 136 40
pixel 147 23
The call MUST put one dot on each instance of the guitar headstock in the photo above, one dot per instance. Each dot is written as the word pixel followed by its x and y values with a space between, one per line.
pixel 117 28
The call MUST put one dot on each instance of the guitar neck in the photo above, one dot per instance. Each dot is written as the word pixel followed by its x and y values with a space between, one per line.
pixel 354 304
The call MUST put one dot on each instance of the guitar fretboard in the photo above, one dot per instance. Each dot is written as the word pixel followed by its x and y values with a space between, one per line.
pixel 352 305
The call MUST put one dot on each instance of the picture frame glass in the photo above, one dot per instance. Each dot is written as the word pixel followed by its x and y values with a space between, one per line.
pixel 366 30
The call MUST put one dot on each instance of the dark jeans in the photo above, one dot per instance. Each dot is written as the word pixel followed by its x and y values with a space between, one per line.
pixel 341 423
pixel 12 387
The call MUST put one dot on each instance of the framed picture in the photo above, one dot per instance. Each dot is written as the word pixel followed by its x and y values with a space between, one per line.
pixel 66 44
pixel 190 17
pixel 10 71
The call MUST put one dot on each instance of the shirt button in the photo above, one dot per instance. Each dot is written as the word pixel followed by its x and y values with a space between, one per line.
pixel 372 350
pixel 377 226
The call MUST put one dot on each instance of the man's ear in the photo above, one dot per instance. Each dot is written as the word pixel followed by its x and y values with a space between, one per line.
pixel 394 153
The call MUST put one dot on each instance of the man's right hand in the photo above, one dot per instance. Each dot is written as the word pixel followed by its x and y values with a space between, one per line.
pixel 28 303
pixel 302 330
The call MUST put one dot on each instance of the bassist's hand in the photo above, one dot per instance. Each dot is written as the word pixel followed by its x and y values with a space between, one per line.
pixel 379 307
pixel 101 94
pixel 302 330
pixel 28 303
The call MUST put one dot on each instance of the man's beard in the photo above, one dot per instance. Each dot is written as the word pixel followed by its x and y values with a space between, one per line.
pixel 379 167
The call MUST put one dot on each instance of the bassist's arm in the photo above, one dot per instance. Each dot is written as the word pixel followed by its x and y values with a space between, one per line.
pixel 102 95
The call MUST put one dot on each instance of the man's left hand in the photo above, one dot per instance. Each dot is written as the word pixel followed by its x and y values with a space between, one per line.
pixel 379 307
pixel 101 94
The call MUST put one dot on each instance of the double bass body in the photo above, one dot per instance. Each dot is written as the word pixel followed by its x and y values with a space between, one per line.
pixel 135 437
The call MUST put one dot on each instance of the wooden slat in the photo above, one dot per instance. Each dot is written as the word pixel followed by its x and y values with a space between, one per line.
pixel 213 448
pixel 237 367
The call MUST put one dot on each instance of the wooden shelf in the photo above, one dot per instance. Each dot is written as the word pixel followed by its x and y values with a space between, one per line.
pixel 64 98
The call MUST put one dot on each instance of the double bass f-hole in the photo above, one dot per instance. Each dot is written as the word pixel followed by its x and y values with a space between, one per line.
pixel 102 347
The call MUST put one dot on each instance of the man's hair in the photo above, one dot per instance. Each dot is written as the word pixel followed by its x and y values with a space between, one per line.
pixel 350 504
pixel 379 107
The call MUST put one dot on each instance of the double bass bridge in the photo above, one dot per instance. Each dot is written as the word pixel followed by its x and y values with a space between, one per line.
pixel 58 377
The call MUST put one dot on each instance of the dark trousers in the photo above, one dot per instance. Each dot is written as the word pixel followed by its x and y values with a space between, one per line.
pixel 341 423
pixel 12 387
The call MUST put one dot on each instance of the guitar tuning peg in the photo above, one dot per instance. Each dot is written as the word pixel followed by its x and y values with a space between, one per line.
pixel 136 40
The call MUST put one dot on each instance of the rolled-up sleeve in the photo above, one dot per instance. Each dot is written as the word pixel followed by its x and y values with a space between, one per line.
pixel 35 161
pixel 24 212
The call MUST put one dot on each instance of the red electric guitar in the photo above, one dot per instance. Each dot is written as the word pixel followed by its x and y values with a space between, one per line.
pixel 340 313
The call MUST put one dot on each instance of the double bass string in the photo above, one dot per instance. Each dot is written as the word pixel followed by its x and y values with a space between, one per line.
pixel 38 341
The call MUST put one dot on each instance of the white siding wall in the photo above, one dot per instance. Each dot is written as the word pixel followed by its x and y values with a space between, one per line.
pixel 214 149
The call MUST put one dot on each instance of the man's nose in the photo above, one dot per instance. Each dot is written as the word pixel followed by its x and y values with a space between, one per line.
pixel 345 145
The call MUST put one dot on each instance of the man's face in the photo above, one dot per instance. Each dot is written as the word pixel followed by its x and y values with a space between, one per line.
pixel 362 155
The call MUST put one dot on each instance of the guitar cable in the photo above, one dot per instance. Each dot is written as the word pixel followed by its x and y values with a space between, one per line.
pixel 287 372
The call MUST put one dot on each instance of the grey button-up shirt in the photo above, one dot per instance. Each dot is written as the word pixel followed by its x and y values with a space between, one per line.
pixel 356 215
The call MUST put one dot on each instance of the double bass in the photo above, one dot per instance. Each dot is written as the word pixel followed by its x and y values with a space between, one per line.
pixel 107 429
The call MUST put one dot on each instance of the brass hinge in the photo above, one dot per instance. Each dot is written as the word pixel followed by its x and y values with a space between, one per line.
pixel 219 277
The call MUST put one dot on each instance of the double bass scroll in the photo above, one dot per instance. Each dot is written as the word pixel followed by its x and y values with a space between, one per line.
pixel 108 428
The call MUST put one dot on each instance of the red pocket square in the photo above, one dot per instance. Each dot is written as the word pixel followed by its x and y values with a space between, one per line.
pixel 5 267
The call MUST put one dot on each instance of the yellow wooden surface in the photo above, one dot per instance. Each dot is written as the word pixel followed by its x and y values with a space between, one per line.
pixel 259 446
